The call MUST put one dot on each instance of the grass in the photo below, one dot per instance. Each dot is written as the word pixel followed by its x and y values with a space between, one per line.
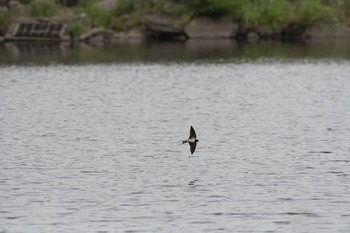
pixel 41 8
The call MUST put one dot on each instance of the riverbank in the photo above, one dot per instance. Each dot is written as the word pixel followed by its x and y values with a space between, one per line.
pixel 108 21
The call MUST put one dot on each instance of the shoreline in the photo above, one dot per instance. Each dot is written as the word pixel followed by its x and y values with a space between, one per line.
pixel 83 24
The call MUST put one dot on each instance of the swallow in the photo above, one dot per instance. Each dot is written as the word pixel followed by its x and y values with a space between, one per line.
pixel 192 140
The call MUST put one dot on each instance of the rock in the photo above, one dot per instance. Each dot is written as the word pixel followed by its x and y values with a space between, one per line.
pixel 253 37
pixel 66 18
pixel 16 7
pixel 98 39
pixel 203 27
pixel 97 35
pixel 107 5
pixel 134 34
pixel 322 29
pixel 2 38
pixel 163 25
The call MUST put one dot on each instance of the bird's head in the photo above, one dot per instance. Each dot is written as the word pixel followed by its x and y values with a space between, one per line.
pixel 197 140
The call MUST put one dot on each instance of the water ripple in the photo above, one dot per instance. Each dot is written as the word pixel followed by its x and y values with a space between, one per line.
pixel 97 148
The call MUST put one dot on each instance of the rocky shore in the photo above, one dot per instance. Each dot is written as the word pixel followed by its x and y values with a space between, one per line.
pixel 22 26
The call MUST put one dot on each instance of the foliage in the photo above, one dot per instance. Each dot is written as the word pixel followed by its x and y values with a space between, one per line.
pixel 276 12
pixel 77 28
pixel 311 10
pixel 95 16
pixel 127 7
pixel 40 8
pixel 205 7
pixel 4 18
pixel 87 3
pixel 266 13
pixel 269 14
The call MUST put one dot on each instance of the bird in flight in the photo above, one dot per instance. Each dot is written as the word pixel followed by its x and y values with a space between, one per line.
pixel 192 140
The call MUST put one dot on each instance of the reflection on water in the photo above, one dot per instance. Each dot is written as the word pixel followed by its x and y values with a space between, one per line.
pixel 161 51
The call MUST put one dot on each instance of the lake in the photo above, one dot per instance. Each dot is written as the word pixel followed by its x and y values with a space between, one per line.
pixel 92 143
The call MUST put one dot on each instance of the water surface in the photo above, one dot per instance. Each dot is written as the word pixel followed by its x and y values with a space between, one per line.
pixel 146 51
pixel 97 148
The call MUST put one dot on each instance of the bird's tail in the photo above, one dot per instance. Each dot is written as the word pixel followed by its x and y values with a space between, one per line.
pixel 183 142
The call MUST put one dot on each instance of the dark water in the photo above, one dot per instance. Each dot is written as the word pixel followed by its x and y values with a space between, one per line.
pixel 171 51
pixel 97 147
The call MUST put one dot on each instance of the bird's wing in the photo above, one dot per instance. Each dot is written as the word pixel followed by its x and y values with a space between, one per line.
pixel 192 133
pixel 193 147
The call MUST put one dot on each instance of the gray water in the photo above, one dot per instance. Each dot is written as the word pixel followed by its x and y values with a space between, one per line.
pixel 97 148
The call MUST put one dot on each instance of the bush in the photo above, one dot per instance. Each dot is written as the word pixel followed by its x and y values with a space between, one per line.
pixel 311 10
pixel 5 17
pixel 126 7
pixel 205 7
pixel 41 8
pixel 275 13
pixel 77 28
pixel 95 17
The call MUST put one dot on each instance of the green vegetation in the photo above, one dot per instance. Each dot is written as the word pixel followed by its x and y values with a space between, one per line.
pixel 77 28
pixel 41 8
pixel 127 14
pixel 205 7
pixel 312 10
pixel 272 14
pixel 268 15
pixel 5 17
pixel 94 16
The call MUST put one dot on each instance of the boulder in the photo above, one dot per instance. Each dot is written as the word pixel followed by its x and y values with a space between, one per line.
pixel 253 36
pixel 66 18
pixel 97 35
pixel 322 29
pixel 163 25
pixel 203 27
pixel 133 34
pixel 16 7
